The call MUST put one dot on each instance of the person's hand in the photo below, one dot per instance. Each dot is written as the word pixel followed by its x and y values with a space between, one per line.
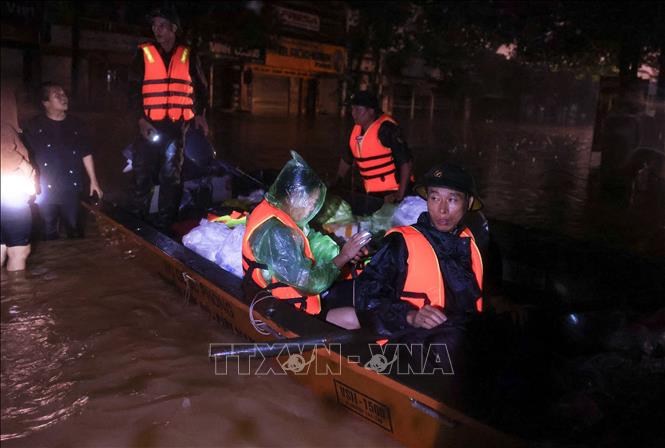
pixel 200 122
pixel 94 188
pixel 362 253
pixel 352 250
pixel 426 317
pixel 146 128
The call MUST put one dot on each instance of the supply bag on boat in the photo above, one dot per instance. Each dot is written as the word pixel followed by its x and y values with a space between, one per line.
pixel 381 220
pixel 335 210
pixel 409 210
pixel 218 243
pixel 229 256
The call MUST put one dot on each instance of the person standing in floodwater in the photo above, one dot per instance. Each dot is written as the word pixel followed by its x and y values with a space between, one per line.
pixel 18 185
pixel 61 152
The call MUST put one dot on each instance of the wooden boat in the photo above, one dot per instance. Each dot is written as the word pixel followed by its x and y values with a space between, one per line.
pixel 415 410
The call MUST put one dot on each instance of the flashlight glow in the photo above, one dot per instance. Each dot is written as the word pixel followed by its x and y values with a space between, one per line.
pixel 16 190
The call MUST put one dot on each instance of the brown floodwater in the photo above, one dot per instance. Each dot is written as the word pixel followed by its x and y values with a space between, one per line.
pixel 97 351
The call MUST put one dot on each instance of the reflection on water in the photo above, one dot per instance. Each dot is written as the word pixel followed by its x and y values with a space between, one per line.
pixel 535 176
pixel 35 392
pixel 532 175
pixel 97 351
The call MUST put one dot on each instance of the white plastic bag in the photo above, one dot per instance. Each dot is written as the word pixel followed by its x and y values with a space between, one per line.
pixel 409 210
pixel 229 256
pixel 219 244
pixel 206 238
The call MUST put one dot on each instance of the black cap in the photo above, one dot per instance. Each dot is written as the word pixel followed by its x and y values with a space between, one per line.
pixel 451 176
pixel 365 99
pixel 165 13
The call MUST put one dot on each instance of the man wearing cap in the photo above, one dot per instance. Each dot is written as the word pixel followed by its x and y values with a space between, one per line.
pixel 170 91
pixel 431 272
pixel 377 147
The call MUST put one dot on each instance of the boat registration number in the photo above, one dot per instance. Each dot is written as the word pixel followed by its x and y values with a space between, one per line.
pixel 363 405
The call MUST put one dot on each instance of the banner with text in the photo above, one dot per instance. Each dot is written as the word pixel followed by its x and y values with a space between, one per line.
pixel 306 57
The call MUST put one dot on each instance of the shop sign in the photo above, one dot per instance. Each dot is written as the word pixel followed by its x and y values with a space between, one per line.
pixel 309 57
pixel 222 50
pixel 298 19
pixel 277 71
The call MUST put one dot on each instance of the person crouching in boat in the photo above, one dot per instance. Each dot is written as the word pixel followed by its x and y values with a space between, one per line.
pixel 425 283
pixel 279 254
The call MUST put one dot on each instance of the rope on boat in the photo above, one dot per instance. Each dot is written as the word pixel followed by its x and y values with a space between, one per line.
pixel 260 326
pixel 188 286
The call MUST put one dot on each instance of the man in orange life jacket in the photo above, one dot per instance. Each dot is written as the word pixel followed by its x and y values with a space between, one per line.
pixel 425 284
pixel 377 147
pixel 170 90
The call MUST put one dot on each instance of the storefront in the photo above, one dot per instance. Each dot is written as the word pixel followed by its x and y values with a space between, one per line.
pixel 226 74
pixel 298 78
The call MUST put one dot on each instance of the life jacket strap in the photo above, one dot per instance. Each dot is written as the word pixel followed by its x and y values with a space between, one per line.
pixel 368 159
pixel 381 175
pixel 417 296
pixel 375 167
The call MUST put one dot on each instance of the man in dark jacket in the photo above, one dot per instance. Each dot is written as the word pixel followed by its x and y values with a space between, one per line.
pixel 450 194
pixel 425 284
pixel 170 94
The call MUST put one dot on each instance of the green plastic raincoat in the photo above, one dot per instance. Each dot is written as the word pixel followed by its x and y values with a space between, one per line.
pixel 299 192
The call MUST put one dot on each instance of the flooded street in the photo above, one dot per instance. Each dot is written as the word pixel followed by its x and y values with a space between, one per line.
pixel 96 351
pixel 533 175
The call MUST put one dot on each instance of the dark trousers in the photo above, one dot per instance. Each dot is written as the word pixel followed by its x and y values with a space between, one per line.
pixel 67 211
pixel 159 162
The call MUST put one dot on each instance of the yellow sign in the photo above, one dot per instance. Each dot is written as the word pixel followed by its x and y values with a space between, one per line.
pixel 308 57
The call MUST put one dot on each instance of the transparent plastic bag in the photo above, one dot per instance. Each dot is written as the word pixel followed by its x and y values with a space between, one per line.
pixel 335 210
pixel 409 210
pixel 206 239
pixel 218 243
pixel 382 219
pixel 229 255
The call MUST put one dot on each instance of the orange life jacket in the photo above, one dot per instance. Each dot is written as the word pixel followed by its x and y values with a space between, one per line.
pixel 169 92
pixel 424 282
pixel 262 213
pixel 375 161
